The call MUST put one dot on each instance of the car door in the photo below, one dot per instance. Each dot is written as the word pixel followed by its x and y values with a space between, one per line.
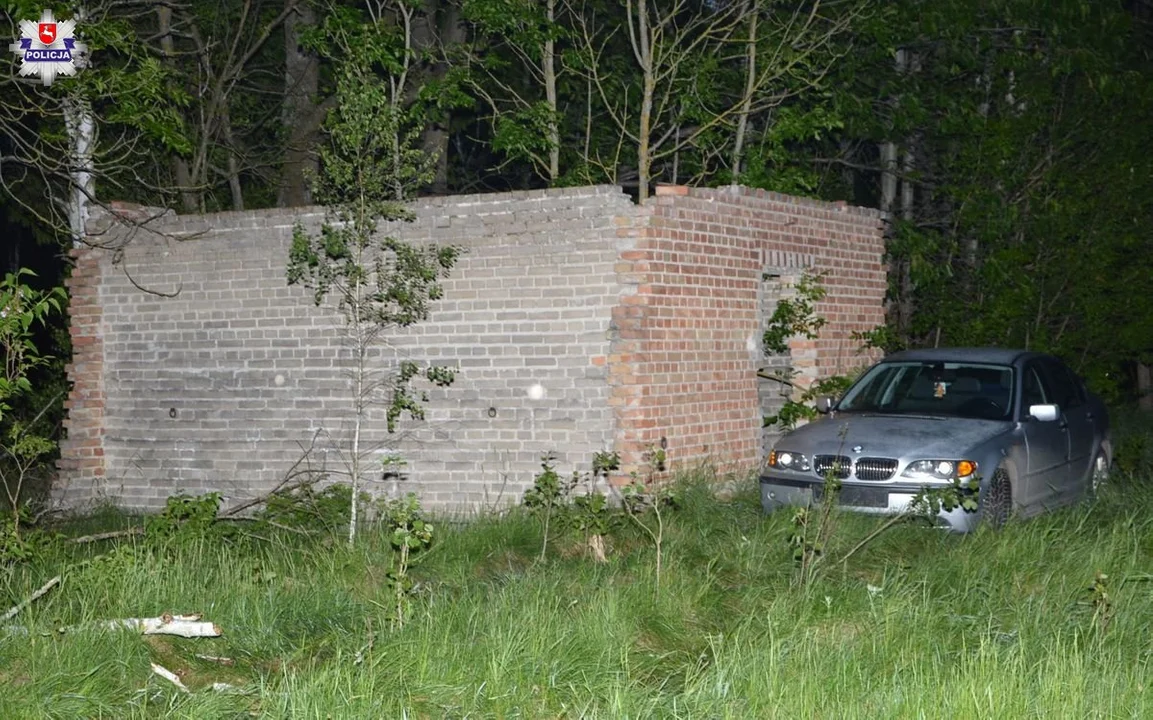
pixel 1046 444
pixel 1078 417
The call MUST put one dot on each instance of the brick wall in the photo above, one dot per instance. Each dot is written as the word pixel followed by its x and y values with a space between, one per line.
pixel 637 323
pixel 685 377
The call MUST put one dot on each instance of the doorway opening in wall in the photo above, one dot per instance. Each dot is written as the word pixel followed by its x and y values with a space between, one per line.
pixel 774 368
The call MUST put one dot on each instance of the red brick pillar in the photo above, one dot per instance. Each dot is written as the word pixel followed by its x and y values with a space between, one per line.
pixel 81 464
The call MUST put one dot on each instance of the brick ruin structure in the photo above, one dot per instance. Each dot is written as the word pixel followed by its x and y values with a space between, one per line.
pixel 578 321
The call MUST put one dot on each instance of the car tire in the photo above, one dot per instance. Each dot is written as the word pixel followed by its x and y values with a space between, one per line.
pixel 997 507
pixel 1098 476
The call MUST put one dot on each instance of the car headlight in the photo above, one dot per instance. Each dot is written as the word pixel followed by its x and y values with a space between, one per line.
pixel 940 469
pixel 785 460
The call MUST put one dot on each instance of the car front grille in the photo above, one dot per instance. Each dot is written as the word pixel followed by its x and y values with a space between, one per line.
pixel 874 468
pixel 838 465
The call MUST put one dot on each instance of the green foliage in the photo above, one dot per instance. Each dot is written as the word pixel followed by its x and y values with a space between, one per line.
pixel 883 337
pixel 24 440
pixel 404 399
pixel 795 316
pixel 405 524
pixel 776 160
pixel 18 544
pixel 1101 601
pixel 547 494
pixel 409 534
pixel 813 528
pixel 505 72
pixel 306 509
pixel 592 515
pixel 801 407
pixel 1030 186
pixel 645 501
pixel 574 503
pixel 546 489
pixel 22 309
pixel 524 133
pixel 184 518
pixel 1131 452
pixel 371 165
pixel 136 105
pixel 961 494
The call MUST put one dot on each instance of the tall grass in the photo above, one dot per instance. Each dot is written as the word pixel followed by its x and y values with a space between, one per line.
pixel 921 624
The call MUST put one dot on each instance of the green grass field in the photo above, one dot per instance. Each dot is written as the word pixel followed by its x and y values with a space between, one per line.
pixel 920 624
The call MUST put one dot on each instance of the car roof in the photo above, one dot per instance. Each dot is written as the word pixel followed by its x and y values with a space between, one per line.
pixel 992 355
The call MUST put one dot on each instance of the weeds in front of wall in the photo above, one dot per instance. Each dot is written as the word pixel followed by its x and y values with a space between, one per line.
pixel 575 502
pixel 409 534
pixel 645 502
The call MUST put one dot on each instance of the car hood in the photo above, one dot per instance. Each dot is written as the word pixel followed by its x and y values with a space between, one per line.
pixel 895 436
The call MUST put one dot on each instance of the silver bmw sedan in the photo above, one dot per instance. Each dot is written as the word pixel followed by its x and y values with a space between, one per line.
pixel 1017 429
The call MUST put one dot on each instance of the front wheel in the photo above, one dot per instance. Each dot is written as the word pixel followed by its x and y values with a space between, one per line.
pixel 1100 475
pixel 997 507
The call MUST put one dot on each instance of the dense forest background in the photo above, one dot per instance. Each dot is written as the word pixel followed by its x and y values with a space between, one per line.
pixel 1007 139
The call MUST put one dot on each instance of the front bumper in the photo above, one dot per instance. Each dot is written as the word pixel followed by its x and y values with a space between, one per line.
pixel 875 498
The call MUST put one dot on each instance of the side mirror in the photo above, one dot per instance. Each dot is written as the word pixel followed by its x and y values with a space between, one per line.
pixel 824 404
pixel 1044 413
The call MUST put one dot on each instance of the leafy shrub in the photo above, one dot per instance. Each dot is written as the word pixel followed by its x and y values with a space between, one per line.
pixel 184 517
pixel 575 502
pixel 25 438
pixel 314 511
pixel 409 533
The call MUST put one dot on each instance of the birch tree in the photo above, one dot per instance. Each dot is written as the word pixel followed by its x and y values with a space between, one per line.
pixel 99 128
pixel 681 52
pixel 369 168
pixel 515 67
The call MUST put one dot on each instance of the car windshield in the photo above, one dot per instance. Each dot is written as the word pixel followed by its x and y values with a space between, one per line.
pixel 969 390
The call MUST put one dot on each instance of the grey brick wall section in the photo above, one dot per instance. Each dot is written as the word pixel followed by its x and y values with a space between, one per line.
pixel 218 387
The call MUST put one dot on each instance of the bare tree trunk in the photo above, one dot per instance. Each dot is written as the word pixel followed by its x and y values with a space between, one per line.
pixel 908 164
pixel 643 51
pixel 234 187
pixel 441 29
pixel 550 93
pixel 81 128
pixel 750 87
pixel 904 278
pixel 889 157
pixel 970 246
pixel 888 151
pixel 588 130
pixel 888 176
pixel 908 209
pixel 301 115
pixel 360 371
pixel 180 170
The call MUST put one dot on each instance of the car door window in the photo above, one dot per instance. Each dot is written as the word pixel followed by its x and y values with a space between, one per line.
pixel 1063 384
pixel 1033 392
pixel 1078 385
